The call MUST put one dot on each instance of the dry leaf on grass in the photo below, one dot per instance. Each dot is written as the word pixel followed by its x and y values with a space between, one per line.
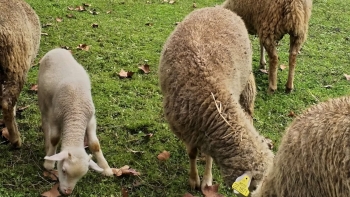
pixel 149 24
pixel 34 87
pixel 83 47
pixel 94 25
pixel 194 5
pixel 291 114
pixel 125 74
pixel 86 5
pixel 20 109
pixel 46 25
pixel 125 192
pixel 44 34
pixel 163 156
pixel 282 66
pixel 263 71
pixel 171 2
pixel 94 12
pixel 108 12
pixel 5 133
pixel 70 16
pixel 328 86
pixel 125 170
pixel 212 191
pixel 145 68
pixel 80 8
pixel 59 20
pixel 53 192
pixel 347 77
pixel 52 174
pixel 70 8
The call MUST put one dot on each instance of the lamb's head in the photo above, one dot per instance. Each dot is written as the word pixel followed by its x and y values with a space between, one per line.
pixel 72 165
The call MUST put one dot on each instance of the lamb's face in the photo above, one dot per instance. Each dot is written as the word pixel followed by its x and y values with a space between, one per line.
pixel 70 171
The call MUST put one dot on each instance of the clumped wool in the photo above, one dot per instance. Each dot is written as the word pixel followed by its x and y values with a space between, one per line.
pixel 314 155
pixel 209 53
pixel 19 43
pixel 271 20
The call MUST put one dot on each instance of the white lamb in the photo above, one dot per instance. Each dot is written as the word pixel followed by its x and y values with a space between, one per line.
pixel 67 111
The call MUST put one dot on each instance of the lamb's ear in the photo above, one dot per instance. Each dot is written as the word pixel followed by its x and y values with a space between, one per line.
pixel 94 166
pixel 59 156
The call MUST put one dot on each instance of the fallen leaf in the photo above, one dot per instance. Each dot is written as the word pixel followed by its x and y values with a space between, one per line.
pixel 328 86
pixel 52 174
pixel 5 133
pixel 83 47
pixel 291 114
pixel 282 66
pixel 70 16
pixel 70 8
pixel 194 5
pixel 347 77
pixel 59 20
pixel 149 24
pixel 108 12
pixel 94 25
pixel 44 34
pixel 124 192
pixel 53 192
pixel 137 183
pixel 65 47
pixel 125 170
pixel 80 8
pixel 125 74
pixel 47 25
pixel 34 87
pixel 264 71
pixel 86 5
pixel 94 12
pixel 171 2
pixel 145 68
pixel 165 1
pixel 163 156
pixel 211 191
pixel 20 109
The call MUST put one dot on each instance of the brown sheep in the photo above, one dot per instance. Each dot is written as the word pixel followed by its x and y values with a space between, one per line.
pixel 271 20
pixel 19 43
pixel 205 66
pixel 314 155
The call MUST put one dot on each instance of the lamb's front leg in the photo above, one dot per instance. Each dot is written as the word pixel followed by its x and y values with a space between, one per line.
pixel 270 46
pixel 207 177
pixel 94 146
pixel 52 138
pixel 295 45
pixel 262 57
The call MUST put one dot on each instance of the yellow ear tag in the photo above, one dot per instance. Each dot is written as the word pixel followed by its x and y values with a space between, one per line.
pixel 242 185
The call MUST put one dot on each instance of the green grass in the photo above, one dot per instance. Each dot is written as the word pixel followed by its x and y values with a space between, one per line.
pixel 129 109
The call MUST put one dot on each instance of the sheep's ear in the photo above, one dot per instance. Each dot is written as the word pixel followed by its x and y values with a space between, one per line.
pixel 58 157
pixel 94 166
pixel 242 183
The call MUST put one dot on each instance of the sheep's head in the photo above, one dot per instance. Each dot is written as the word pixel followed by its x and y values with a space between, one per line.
pixel 72 166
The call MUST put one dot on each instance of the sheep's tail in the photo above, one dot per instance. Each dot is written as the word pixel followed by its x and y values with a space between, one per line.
pixel 297 14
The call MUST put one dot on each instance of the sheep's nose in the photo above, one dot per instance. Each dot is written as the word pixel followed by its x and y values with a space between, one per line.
pixel 67 191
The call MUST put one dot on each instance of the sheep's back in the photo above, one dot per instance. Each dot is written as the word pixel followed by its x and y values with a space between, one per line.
pixel 314 156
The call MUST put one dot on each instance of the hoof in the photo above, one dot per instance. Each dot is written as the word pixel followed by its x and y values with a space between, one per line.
pixel 288 90
pixel 271 91
pixel 194 183
pixel 16 144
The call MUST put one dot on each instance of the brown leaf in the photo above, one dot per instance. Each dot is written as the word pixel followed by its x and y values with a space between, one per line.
pixel 83 47
pixel 44 34
pixel 34 87
pixel 94 12
pixel 53 192
pixel 125 192
pixel 145 68
pixel 20 109
pixel 264 71
pixel 125 74
pixel 59 19
pixel 171 2
pixel 282 66
pixel 47 25
pixel 86 5
pixel 194 5
pixel 108 12
pixel 291 114
pixel 80 8
pixel 94 25
pixel 70 16
pixel 125 170
pixel 5 133
pixel 212 191
pixel 52 174
pixel 149 24
pixel 70 8
pixel 328 86
pixel 347 77
pixel 163 156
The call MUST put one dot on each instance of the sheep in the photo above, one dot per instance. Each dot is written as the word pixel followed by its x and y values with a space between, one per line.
pixel 314 155
pixel 205 66
pixel 19 44
pixel 67 111
pixel 271 20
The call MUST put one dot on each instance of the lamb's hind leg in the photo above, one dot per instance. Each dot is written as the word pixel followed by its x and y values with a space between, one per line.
pixel 262 57
pixel 207 177
pixel 247 97
pixel 270 46
pixel 8 101
pixel 295 44
pixel 194 177
pixel 94 146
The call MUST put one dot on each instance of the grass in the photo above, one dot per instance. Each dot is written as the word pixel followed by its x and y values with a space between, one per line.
pixel 132 34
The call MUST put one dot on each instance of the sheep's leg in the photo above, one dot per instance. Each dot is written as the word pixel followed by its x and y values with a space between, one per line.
pixel 52 138
pixel 247 97
pixel 9 98
pixel 194 177
pixel 270 46
pixel 207 177
pixel 295 44
pixel 94 146
pixel 262 57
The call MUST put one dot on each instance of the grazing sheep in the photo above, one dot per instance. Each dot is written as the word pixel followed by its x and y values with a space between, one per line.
pixel 19 43
pixel 314 155
pixel 271 20
pixel 67 111
pixel 205 65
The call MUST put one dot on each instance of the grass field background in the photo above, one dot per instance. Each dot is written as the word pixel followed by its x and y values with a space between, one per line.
pixel 130 35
